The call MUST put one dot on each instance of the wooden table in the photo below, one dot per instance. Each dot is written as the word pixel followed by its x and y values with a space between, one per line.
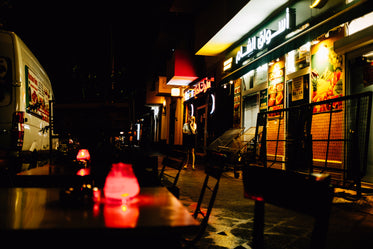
pixel 38 215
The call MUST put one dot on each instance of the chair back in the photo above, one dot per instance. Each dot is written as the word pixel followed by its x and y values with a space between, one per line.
pixel 211 183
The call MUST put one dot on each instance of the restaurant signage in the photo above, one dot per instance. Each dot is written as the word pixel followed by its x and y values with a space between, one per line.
pixel 202 86
pixel 276 80
pixel 188 94
pixel 258 43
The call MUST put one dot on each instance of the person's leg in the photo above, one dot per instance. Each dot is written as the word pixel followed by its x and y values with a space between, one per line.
pixel 193 158
pixel 187 159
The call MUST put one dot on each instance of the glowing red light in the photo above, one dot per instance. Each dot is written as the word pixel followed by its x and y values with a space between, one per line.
pixel 121 216
pixel 121 183
pixel 254 197
pixel 84 172
pixel 83 154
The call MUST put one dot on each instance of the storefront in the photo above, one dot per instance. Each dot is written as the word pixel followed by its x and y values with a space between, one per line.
pixel 303 54
pixel 199 101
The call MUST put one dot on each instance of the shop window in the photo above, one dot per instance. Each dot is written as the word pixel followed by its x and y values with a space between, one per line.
pixel 298 59
pixel 255 77
pixel 251 109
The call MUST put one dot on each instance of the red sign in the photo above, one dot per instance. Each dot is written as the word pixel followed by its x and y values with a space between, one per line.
pixel 202 86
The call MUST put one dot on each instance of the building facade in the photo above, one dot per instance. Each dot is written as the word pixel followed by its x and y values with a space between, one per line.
pixel 300 52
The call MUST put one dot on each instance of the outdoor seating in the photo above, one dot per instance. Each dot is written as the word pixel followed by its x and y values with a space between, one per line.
pixel 211 183
pixel 310 194
pixel 170 172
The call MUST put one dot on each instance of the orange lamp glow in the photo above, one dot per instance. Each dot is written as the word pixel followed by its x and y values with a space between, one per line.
pixel 121 183
pixel 83 154
pixel 84 172
pixel 121 216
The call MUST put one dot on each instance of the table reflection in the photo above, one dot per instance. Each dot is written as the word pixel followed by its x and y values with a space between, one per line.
pixel 39 208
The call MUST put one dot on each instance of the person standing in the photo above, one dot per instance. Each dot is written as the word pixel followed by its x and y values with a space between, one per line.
pixel 189 131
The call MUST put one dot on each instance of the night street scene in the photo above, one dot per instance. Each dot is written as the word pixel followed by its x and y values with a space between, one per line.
pixel 186 124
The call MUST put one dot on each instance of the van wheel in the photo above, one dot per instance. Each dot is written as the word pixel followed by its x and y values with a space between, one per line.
pixel 34 159
pixel 15 165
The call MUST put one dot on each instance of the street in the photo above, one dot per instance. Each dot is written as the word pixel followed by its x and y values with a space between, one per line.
pixel 231 222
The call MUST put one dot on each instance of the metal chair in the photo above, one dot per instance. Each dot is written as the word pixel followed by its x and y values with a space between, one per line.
pixel 169 178
pixel 211 183
pixel 310 194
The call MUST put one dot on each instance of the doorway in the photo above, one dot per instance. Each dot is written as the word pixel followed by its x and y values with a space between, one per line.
pixel 360 79
pixel 251 109
pixel 201 120
pixel 173 106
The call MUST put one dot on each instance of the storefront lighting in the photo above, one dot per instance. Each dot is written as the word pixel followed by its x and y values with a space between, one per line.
pixel 359 24
pixel 297 31
pixel 191 110
pixel 318 4
pixel 323 54
pixel 228 64
pixel 175 92
pixel 251 15
pixel 212 104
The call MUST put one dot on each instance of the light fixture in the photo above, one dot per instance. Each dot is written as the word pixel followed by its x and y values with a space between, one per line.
pixel 251 15
pixel 175 92
pixel 83 155
pixel 318 4
pixel 213 104
pixel 121 184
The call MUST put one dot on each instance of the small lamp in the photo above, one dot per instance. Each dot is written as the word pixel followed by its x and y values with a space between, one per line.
pixel 83 155
pixel 121 183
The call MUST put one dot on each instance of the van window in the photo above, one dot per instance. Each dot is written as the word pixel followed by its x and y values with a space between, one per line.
pixel 6 66
pixel 5 81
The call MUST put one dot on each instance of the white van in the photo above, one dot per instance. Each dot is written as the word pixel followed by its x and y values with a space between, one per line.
pixel 25 91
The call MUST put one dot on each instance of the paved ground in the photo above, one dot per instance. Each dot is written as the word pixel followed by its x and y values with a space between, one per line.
pixel 230 226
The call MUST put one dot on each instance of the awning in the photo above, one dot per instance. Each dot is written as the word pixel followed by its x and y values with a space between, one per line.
pixel 315 28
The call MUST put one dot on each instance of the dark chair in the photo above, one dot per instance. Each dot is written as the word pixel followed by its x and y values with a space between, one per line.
pixel 170 173
pixel 211 183
pixel 310 194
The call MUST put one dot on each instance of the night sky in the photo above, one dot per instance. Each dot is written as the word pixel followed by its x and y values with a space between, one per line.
pixel 85 35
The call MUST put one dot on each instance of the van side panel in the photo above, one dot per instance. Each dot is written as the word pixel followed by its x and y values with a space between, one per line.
pixel 25 91
pixel 35 94
pixel 7 93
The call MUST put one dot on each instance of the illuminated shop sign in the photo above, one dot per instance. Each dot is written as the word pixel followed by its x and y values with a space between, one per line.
pixel 188 94
pixel 202 86
pixel 264 38
pixel 227 64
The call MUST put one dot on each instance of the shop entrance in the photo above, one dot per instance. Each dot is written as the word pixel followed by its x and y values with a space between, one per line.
pixel 360 69
pixel 173 106
pixel 251 109
pixel 201 120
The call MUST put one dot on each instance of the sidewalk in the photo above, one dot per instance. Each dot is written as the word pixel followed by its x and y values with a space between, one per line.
pixel 231 222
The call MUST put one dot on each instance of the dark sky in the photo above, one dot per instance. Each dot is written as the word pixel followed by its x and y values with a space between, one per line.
pixel 86 33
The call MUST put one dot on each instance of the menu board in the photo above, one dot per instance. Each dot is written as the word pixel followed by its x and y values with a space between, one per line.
pixel 263 100
pixel 237 104
pixel 38 96
pixel 276 79
pixel 297 89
